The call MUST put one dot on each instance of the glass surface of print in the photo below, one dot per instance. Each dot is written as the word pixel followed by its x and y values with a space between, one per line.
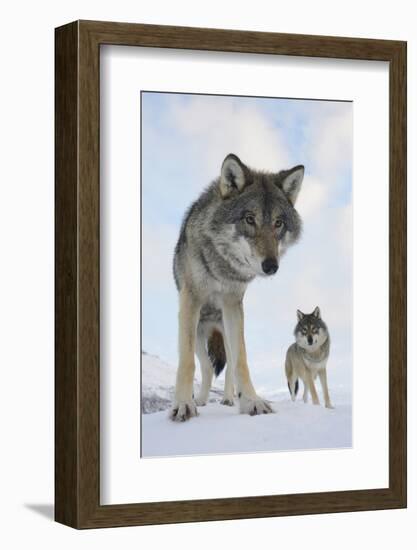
pixel 265 175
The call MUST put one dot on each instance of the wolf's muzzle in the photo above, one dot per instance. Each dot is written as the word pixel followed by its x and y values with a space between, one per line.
pixel 270 266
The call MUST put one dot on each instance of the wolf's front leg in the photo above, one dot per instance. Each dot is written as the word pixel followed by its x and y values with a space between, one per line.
pixel 184 406
pixel 250 402
pixel 323 381
pixel 312 388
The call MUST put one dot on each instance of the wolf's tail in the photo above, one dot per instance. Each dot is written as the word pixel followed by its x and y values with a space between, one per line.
pixel 216 351
pixel 295 388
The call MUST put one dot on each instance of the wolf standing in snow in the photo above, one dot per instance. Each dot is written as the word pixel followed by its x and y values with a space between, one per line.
pixel 308 356
pixel 237 229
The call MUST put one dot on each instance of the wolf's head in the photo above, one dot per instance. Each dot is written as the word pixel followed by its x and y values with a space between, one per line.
pixel 310 331
pixel 259 207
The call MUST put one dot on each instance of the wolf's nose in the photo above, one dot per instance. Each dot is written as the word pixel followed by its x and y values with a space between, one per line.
pixel 310 340
pixel 270 266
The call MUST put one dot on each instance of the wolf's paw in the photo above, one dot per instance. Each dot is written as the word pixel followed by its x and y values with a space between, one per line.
pixel 254 405
pixel 330 406
pixel 182 411
pixel 201 400
pixel 228 401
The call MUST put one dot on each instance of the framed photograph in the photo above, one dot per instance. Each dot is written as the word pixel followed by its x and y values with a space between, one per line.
pixel 230 274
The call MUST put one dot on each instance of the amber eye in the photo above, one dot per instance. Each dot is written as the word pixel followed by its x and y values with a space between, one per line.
pixel 279 223
pixel 249 219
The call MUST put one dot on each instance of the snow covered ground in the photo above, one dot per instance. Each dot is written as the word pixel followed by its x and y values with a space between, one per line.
pixel 219 429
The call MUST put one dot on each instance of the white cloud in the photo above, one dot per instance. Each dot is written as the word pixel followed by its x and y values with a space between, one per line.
pixel 218 126
pixel 312 196
pixel 344 231
pixel 331 139
pixel 158 243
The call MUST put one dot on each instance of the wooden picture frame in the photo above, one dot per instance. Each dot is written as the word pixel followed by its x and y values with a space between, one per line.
pixel 77 359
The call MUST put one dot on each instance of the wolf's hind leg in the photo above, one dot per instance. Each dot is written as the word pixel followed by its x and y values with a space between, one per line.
pixel 292 379
pixel 293 387
pixel 184 406
pixel 206 370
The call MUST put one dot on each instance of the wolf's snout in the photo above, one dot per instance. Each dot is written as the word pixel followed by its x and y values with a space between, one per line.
pixel 310 340
pixel 270 266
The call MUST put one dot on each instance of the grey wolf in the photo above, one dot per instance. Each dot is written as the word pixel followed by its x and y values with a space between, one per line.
pixel 237 229
pixel 307 357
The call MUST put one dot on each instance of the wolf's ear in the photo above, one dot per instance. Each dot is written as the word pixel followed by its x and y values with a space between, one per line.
pixel 300 315
pixel 290 182
pixel 233 175
pixel 316 312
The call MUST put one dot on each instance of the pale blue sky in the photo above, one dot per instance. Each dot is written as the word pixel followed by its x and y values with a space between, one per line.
pixel 184 141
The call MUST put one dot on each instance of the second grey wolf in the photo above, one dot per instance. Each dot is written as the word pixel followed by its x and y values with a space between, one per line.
pixel 308 356
pixel 236 230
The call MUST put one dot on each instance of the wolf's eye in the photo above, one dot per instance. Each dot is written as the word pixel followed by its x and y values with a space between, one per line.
pixel 249 219
pixel 279 223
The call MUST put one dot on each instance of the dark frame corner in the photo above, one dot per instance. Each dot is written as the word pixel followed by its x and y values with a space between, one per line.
pixel 77 47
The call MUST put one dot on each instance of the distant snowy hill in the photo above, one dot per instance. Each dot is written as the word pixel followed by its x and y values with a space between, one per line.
pixel 158 382
pixel 219 429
